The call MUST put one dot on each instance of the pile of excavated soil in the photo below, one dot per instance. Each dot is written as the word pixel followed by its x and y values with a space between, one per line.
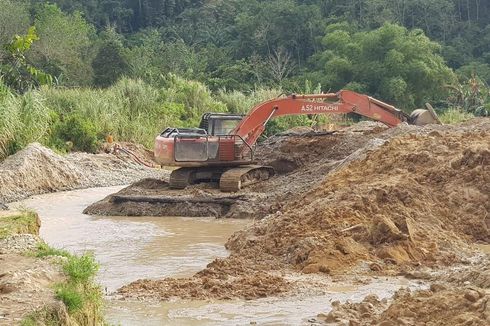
pixel 413 197
pixel 36 170
pixel 438 306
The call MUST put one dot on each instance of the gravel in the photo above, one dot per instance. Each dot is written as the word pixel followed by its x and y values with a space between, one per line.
pixel 37 170
pixel 19 243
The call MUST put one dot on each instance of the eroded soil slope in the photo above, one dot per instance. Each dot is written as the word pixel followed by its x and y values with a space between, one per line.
pixel 414 197
pixel 26 282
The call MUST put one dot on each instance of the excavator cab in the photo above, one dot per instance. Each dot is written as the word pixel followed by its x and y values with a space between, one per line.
pixel 212 143
pixel 220 124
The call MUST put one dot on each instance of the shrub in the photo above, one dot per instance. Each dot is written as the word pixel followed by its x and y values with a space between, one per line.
pixel 81 269
pixel 78 132
pixel 70 296
pixel 81 296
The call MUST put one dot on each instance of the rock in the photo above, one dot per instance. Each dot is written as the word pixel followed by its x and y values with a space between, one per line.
pixel 19 243
pixel 3 207
pixel 385 231
pixel 375 267
pixel 472 295
pixel 418 275
pixel 437 287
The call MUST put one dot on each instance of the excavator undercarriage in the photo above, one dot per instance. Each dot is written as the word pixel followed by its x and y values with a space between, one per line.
pixel 230 179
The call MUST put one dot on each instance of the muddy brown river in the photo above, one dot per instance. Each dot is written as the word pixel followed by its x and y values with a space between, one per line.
pixel 131 248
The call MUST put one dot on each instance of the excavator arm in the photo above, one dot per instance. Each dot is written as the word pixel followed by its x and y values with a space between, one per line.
pixel 345 101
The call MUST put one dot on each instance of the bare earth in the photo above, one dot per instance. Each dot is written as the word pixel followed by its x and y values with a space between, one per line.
pixel 38 170
pixel 26 282
pixel 406 201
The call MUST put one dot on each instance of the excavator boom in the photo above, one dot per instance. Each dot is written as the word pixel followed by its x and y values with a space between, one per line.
pixel 343 102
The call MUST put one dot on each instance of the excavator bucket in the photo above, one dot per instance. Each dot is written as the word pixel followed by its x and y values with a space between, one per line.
pixel 421 117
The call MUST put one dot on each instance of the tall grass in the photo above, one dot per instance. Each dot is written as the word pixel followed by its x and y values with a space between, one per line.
pixel 454 115
pixel 130 110
pixel 23 119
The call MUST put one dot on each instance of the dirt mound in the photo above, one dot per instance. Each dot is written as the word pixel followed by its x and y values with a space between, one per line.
pixel 437 306
pixel 204 287
pixel 36 170
pixel 411 198
pixel 414 200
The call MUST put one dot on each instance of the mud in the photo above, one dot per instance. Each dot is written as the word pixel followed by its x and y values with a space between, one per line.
pixel 438 306
pixel 37 170
pixel 368 203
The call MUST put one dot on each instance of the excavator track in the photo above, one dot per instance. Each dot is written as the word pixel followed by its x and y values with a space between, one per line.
pixel 181 178
pixel 236 178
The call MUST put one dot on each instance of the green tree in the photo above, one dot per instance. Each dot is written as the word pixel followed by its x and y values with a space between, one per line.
pixel 14 20
pixel 64 46
pixel 400 66
pixel 15 70
pixel 110 63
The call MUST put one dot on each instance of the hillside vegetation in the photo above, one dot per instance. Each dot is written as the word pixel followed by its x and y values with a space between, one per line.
pixel 73 72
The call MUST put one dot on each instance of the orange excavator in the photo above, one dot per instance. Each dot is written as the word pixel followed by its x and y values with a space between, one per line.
pixel 222 148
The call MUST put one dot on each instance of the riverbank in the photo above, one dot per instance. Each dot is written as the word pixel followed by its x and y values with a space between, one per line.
pixel 38 170
pixel 40 285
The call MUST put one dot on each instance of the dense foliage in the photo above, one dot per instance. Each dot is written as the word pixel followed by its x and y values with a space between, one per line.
pixel 406 52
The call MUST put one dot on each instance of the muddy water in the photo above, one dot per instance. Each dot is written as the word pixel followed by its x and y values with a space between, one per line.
pixel 295 310
pixel 130 248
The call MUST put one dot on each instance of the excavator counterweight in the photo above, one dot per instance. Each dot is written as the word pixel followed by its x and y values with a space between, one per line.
pixel 222 148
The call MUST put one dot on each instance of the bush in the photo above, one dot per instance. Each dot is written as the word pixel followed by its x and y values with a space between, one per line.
pixel 78 132
pixel 81 269
pixel 70 296
pixel 81 296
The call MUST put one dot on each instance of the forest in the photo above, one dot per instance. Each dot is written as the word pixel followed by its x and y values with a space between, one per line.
pixel 73 72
